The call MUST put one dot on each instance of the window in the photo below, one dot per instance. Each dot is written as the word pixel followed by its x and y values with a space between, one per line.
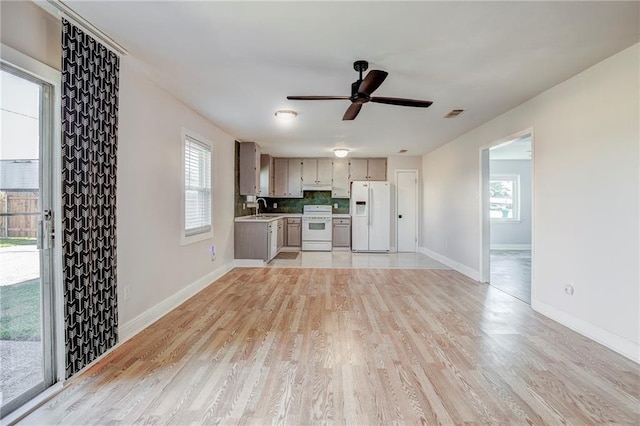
pixel 504 198
pixel 196 210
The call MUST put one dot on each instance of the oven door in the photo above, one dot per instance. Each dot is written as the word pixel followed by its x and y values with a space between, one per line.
pixel 316 228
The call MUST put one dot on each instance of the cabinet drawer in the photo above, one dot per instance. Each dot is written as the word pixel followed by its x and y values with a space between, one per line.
pixel 341 221
pixel 291 220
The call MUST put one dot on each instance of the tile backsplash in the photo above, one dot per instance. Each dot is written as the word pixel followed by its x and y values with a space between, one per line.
pixel 294 205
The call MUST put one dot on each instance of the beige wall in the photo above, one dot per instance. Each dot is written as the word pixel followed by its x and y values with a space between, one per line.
pixel 151 261
pixel 152 264
pixel 586 199
pixel 32 31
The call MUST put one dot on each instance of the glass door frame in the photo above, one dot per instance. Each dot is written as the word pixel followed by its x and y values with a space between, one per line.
pixel 52 303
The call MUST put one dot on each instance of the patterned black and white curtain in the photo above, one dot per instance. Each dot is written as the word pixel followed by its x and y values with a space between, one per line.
pixel 89 146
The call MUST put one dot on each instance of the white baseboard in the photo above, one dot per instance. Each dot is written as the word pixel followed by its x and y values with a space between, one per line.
pixel 612 341
pixel 249 263
pixel 510 246
pixel 148 317
pixel 463 269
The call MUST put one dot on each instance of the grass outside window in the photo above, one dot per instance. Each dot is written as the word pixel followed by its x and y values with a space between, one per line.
pixel 20 311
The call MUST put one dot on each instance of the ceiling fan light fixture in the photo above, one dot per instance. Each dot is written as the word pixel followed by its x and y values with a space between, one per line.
pixel 286 114
pixel 341 152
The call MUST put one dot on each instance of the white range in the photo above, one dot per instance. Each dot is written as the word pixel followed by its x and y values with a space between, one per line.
pixel 316 228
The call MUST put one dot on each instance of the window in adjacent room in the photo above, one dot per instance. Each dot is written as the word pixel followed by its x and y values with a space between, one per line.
pixel 504 193
pixel 196 212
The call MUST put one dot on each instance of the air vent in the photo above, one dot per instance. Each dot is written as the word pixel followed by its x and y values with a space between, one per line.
pixel 402 151
pixel 454 113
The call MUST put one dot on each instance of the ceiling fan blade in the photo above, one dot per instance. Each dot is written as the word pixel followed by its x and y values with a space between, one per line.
pixel 372 81
pixel 352 112
pixel 315 98
pixel 401 102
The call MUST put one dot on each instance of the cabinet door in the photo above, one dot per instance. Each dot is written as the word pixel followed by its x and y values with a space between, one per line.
pixel 280 180
pixel 294 235
pixel 266 178
pixel 324 171
pixel 340 185
pixel 309 171
pixel 295 178
pixel 341 233
pixel 357 169
pixel 377 169
pixel 249 168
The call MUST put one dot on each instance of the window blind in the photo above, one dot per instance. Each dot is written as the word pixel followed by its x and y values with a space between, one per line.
pixel 197 187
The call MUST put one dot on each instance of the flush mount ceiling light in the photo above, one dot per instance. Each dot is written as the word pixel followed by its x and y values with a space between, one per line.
pixel 341 152
pixel 286 114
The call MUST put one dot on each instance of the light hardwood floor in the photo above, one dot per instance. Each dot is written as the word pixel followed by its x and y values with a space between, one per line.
pixel 511 272
pixel 352 346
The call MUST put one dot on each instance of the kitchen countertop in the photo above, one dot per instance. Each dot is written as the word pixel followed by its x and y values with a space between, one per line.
pixel 263 218
pixel 268 217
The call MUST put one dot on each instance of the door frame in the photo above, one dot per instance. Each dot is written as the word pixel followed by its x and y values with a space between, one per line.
pixel 485 235
pixel 44 73
pixel 417 205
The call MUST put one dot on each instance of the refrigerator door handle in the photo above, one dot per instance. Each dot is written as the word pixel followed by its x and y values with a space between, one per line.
pixel 370 205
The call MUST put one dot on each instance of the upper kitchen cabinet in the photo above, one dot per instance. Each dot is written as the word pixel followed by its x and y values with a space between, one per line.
pixel 340 187
pixel 316 173
pixel 358 169
pixel 266 176
pixel 295 178
pixel 377 169
pixel 367 169
pixel 280 177
pixel 249 168
pixel 287 182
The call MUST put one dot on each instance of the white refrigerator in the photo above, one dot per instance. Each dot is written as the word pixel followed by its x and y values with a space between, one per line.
pixel 370 216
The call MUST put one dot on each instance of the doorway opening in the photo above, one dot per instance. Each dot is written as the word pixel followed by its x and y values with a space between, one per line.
pixel 507 188
pixel 27 349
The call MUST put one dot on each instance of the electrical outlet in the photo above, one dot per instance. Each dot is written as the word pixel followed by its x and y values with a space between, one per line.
pixel 244 206
pixel 275 205
pixel 335 205
pixel 127 292
pixel 212 251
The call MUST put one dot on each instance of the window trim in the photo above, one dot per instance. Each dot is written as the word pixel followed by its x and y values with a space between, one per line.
pixel 515 178
pixel 190 237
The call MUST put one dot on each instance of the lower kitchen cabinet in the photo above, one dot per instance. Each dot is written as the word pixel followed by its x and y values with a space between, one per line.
pixel 256 240
pixel 294 232
pixel 342 232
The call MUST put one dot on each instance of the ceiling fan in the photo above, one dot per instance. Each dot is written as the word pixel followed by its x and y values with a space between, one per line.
pixel 361 91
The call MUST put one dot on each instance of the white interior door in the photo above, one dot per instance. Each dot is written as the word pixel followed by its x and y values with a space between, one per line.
pixel 407 210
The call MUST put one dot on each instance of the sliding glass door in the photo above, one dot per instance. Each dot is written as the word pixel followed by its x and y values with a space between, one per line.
pixel 26 297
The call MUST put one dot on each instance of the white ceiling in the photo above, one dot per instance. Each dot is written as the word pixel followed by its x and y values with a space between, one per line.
pixel 235 62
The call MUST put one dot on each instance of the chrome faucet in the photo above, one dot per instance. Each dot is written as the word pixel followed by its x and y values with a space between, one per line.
pixel 258 205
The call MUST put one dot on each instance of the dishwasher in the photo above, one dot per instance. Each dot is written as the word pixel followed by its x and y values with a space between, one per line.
pixel 273 239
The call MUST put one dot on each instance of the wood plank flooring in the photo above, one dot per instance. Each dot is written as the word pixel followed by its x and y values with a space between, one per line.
pixel 352 346
pixel 511 272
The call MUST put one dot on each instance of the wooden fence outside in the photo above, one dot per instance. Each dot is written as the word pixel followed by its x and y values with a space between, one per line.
pixel 18 202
